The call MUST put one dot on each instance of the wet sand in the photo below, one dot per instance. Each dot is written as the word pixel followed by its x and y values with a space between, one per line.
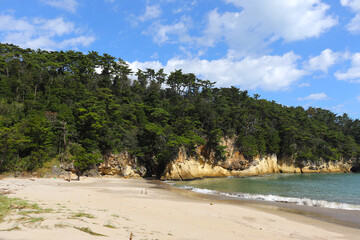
pixel 347 218
pixel 149 210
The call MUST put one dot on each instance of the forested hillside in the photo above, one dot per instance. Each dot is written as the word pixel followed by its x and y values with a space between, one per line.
pixel 79 107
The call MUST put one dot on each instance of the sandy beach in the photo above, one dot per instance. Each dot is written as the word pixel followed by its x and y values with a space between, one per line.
pixel 120 208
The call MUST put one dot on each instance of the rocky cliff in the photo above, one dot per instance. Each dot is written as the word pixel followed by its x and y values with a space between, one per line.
pixel 204 164
pixel 121 165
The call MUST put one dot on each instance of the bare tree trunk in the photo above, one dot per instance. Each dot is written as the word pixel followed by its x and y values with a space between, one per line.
pixel 64 133
pixel 35 91
pixel 17 94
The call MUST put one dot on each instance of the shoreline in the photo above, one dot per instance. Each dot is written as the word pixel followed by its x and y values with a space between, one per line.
pixel 154 210
pixel 344 217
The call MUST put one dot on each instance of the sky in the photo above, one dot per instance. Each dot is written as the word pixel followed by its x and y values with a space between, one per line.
pixel 295 52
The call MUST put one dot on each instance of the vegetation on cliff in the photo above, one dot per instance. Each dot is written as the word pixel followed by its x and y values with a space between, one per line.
pixel 80 107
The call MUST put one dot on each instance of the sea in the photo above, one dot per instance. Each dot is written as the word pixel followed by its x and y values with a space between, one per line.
pixel 335 191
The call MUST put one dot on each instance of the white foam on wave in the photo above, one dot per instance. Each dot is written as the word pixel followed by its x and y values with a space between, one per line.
pixel 275 198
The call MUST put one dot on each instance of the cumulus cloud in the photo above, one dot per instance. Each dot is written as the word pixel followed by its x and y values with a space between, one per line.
pixel 56 26
pixel 258 23
pixel 41 33
pixel 352 74
pixel 251 27
pixel 314 97
pixel 171 33
pixel 353 4
pixel 324 61
pixel 68 5
pixel 151 12
pixel 270 73
pixel 354 25
pixel 76 41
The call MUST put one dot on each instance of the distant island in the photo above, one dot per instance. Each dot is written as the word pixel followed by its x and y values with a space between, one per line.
pixel 90 112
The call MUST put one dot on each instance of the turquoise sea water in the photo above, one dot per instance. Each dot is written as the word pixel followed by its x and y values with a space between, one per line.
pixel 341 191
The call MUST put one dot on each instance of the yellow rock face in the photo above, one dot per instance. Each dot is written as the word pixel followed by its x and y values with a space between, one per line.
pixel 203 165
pixel 185 167
pixel 121 164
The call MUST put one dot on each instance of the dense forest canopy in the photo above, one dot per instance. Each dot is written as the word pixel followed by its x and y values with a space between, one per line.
pixel 80 107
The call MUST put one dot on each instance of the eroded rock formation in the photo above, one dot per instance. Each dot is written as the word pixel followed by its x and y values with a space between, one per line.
pixel 122 165
pixel 204 164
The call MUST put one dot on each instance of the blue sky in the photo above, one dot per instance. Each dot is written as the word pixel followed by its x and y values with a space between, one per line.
pixel 296 52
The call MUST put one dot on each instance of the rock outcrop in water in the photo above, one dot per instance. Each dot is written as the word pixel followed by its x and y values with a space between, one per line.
pixel 204 164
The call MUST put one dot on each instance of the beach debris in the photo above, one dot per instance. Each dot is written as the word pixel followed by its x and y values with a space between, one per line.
pixel 211 203
pixel 5 191
pixel 131 236
pixel 89 231
pixel 31 179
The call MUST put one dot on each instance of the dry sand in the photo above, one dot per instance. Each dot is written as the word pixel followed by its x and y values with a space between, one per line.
pixel 123 207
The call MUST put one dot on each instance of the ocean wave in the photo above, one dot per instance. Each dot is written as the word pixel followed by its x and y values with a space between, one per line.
pixel 275 198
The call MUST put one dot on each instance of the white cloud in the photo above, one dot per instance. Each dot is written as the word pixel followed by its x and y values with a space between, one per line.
pixel 151 12
pixel 261 22
pixel 271 73
pixel 173 33
pixel 339 109
pixel 41 33
pixel 324 61
pixel 304 85
pixel 353 4
pixel 76 41
pixel 8 23
pixel 186 6
pixel 156 65
pixel 354 25
pixel 252 28
pixel 155 55
pixel 56 26
pixel 315 97
pixel 68 5
pixel 352 74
